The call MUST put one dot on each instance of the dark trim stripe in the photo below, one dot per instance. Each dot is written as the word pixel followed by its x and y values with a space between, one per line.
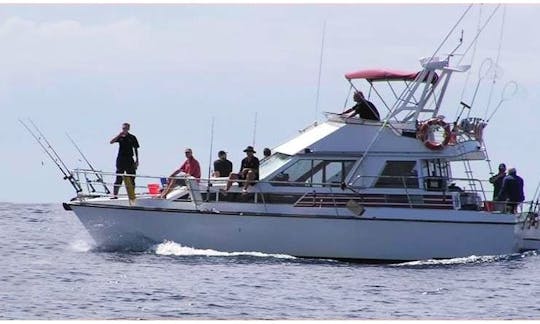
pixel 188 211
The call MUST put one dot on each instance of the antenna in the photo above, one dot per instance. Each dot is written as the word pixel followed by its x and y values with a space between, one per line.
pixel 479 32
pixel 451 31
pixel 320 73
pixel 211 148
pixel 458 45
pixel 254 128
pixel 210 159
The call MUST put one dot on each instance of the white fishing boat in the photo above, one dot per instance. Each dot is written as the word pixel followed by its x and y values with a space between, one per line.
pixel 346 188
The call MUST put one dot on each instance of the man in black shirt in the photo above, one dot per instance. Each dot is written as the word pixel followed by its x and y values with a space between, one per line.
pixel 128 145
pixel 497 181
pixel 364 108
pixel 222 166
pixel 249 170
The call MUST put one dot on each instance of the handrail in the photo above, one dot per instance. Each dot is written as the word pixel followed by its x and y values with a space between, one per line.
pixel 323 190
pixel 213 181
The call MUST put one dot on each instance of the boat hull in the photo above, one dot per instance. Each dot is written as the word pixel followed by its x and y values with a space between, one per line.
pixel 385 234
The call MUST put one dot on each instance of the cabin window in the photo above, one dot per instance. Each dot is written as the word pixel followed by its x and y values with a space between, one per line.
pixel 314 173
pixel 398 174
pixel 436 168
pixel 272 163
pixel 436 173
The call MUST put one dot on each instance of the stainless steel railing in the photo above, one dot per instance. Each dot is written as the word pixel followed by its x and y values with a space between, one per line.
pixel 415 190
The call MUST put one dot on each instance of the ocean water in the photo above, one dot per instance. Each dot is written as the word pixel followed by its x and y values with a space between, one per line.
pixel 49 270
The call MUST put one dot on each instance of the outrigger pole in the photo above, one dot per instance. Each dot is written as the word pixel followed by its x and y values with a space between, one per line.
pixel 51 153
pixel 98 176
pixel 210 160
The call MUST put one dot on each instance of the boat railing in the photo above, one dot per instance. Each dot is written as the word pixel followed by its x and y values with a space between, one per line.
pixel 393 191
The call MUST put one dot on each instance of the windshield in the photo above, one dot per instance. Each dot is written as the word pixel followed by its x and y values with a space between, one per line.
pixel 272 163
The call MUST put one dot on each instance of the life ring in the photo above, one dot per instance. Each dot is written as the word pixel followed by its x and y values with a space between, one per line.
pixel 423 134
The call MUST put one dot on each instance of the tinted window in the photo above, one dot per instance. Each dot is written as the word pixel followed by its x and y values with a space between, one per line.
pixel 317 173
pixel 398 174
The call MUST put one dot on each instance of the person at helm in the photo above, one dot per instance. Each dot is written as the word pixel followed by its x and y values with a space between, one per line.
pixel 363 108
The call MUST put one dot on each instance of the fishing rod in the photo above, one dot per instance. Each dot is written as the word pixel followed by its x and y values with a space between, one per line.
pixel 88 182
pixel 48 149
pixel 96 173
pixel 210 160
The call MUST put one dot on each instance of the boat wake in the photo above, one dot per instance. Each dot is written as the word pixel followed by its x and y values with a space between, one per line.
pixel 81 246
pixel 173 248
pixel 473 259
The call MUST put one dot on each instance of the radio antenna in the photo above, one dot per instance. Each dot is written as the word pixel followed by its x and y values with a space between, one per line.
pixel 320 73
pixel 254 128
pixel 210 159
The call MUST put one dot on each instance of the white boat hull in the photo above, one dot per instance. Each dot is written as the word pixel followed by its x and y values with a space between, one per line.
pixel 386 234
pixel 530 234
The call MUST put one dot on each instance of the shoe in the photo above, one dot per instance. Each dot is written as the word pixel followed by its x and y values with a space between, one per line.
pixel 114 197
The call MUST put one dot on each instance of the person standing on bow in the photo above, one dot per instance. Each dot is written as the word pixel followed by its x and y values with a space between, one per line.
pixel 364 109
pixel 249 170
pixel 512 191
pixel 222 166
pixel 497 181
pixel 127 146
pixel 190 167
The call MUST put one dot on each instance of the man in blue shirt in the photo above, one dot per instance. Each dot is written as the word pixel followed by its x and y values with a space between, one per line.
pixel 512 191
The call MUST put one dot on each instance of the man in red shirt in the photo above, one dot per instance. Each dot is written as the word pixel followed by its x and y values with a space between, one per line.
pixel 190 167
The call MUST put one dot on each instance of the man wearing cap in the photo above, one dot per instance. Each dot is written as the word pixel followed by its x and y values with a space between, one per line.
pixel 512 191
pixel 222 166
pixel 189 167
pixel 249 170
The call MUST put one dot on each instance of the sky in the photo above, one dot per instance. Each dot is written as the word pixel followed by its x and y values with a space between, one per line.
pixel 252 69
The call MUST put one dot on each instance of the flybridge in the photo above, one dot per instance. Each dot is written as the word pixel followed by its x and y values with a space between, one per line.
pixel 422 94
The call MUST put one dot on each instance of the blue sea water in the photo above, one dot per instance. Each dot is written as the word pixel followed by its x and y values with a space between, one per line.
pixel 49 270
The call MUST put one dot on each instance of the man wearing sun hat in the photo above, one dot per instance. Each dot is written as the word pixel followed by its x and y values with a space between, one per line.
pixel 249 170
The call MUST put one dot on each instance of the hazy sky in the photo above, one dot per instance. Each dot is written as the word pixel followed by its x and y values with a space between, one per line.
pixel 169 69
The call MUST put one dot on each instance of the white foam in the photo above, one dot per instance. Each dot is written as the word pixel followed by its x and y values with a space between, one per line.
pixel 463 260
pixel 81 246
pixel 173 248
